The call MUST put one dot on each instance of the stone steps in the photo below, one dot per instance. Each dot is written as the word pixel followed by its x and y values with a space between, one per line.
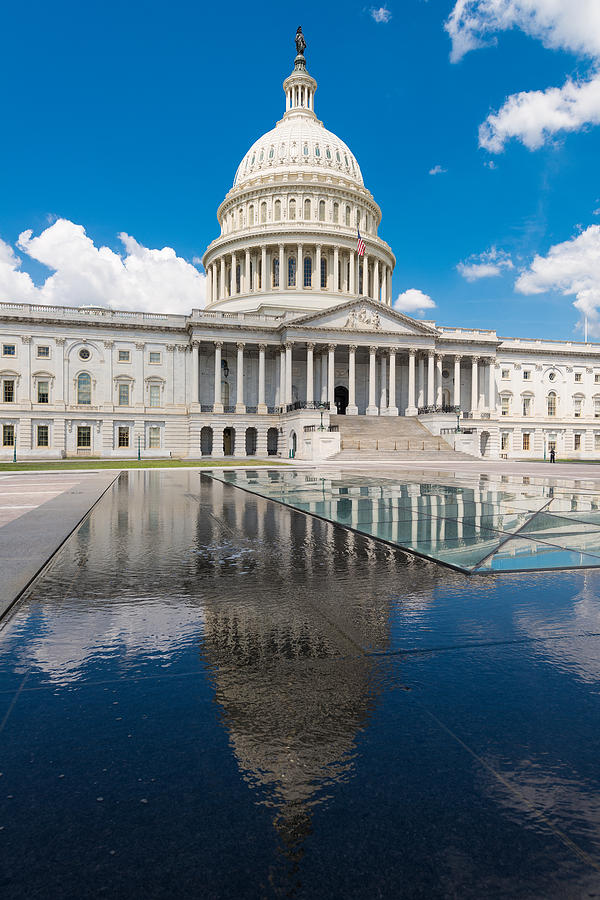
pixel 393 437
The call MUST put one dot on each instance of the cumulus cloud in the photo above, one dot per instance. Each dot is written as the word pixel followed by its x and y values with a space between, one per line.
pixel 381 15
pixel 573 268
pixel 488 264
pixel 534 116
pixel 86 275
pixel 413 301
pixel 437 170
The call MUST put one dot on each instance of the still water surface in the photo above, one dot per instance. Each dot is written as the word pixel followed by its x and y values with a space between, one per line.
pixel 212 695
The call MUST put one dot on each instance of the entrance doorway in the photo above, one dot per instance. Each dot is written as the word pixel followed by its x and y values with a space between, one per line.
pixel 228 441
pixel 340 398
pixel 484 443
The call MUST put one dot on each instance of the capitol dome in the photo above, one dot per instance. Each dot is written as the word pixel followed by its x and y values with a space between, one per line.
pixel 291 220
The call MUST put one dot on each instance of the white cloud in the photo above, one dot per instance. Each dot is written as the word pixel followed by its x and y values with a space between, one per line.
pixel 381 15
pixel 534 116
pixel 573 268
pixel 596 212
pixel 437 170
pixel 413 301
pixel 490 164
pixel 489 264
pixel 86 275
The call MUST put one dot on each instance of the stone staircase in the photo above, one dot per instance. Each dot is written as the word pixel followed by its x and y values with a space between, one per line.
pixel 390 437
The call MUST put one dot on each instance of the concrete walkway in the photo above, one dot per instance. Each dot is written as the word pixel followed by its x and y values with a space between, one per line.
pixel 38 511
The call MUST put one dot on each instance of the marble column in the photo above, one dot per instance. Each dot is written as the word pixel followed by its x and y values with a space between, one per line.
pixel 336 269
pixel 282 376
pixel 222 285
pixel 365 267
pixel 300 269
pixel 218 405
pixel 323 376
pixel 421 380
pixel 384 284
pixel 195 392
pixel 255 267
pixel 331 377
pixel 372 409
pixel 383 385
pixel 352 408
pixel 247 283
pixel 317 273
pixel 262 406
pixel 352 272
pixel 288 373
pixel 309 373
pixel 233 274
pixel 411 409
pixel 282 281
pixel 492 387
pixel 392 408
pixel 474 384
pixel 376 280
pixel 438 379
pixel 263 271
pixel 430 378
pixel 208 285
pixel 239 396
pixel 457 360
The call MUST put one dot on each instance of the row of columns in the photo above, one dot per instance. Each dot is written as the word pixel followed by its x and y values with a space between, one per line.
pixel 387 400
pixel 255 279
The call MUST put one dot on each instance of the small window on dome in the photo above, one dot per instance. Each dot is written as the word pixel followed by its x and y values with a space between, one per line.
pixel 307 209
pixel 321 210
pixel 271 152
pixel 317 151
pixel 253 158
pixel 346 158
pixel 305 151
pixel 328 153
pixel 292 209
pixel 337 156
pixel 263 212
pixel 278 210
pixel 336 212
pixel 262 156
pixel 348 215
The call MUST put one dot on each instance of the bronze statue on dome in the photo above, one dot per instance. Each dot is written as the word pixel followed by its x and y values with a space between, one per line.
pixel 300 42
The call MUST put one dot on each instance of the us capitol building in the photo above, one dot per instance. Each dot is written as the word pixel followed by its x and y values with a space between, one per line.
pixel 297 344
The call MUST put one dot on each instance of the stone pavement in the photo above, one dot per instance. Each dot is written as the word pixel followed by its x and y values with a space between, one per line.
pixel 38 511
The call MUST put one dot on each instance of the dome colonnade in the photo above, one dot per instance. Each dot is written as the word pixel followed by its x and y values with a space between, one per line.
pixel 289 224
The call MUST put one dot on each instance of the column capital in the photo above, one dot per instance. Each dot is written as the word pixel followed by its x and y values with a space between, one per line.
pixel 310 345
pixel 331 347
pixel 457 357
pixel 195 344
pixel 262 347
pixel 475 359
pixel 352 348
pixel 240 345
pixel 60 341
pixel 372 349
pixel 218 344
pixel 392 351
pixel 431 354
pixel 412 351
pixel 288 345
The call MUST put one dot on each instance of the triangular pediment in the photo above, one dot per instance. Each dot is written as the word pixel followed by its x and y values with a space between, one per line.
pixel 364 316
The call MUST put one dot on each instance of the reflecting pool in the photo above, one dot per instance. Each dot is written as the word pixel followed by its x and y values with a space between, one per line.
pixel 209 694
pixel 476 524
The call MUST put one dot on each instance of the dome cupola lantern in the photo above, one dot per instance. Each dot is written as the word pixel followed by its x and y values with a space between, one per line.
pixel 290 222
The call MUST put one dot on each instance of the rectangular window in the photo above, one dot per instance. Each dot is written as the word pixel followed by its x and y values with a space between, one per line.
pixel 504 405
pixel 84 437
pixel 123 436
pixel 124 355
pixel 526 441
pixel 43 352
pixel 597 440
pixel 43 394
pixel 154 437
pixel 527 375
pixel 578 376
pixel 154 395
pixel 123 395
pixel 154 357
pixel 577 442
pixel 9 350
pixel 504 441
pixel 597 377
pixel 577 407
pixel 8 393
pixel 43 436
pixel 505 374
pixel 8 435
pixel 597 408
pixel 526 406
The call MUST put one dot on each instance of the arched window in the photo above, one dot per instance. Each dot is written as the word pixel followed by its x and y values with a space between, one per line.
pixel 251 441
pixel 272 439
pixel 358 218
pixel 241 218
pixel 251 214
pixel 263 212
pixel 348 215
pixel 307 209
pixel 307 271
pixel 276 272
pixel 206 441
pixel 84 389
pixel 336 212
pixel 278 210
pixel 292 271
pixel 321 210
pixel 551 402
pixel 323 272
pixel 292 209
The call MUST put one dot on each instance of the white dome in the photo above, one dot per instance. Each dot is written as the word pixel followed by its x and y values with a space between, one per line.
pixel 298 143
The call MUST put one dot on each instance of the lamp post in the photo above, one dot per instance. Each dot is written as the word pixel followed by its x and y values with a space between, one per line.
pixel 458 420
pixel 139 447
pixel 15 448
pixel 321 428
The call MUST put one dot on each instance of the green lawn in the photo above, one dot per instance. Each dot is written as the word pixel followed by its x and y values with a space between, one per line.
pixel 131 464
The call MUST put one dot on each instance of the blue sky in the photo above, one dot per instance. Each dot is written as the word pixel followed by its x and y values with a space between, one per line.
pixel 132 118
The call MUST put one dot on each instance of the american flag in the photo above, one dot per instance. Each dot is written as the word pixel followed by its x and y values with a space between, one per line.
pixel 360 247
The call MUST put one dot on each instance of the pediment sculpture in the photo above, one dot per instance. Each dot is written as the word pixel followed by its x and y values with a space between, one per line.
pixel 363 319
